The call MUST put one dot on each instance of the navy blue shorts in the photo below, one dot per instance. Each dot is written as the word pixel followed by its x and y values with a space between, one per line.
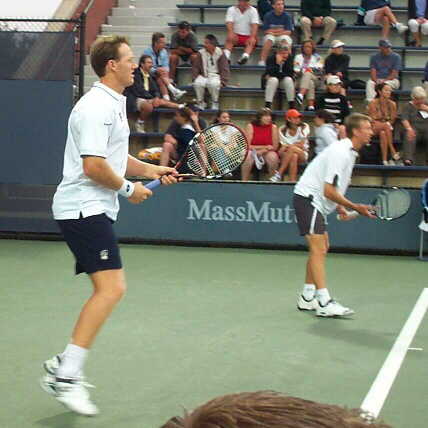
pixel 92 242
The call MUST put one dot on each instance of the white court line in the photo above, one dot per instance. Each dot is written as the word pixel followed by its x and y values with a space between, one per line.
pixel 381 386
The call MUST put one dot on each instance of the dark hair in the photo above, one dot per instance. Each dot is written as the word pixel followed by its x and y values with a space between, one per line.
pixel 325 115
pixel 143 58
pixel 260 113
pixel 156 37
pixel 312 44
pixel 212 39
pixel 104 49
pixel 185 112
pixel 379 87
pixel 217 116
pixel 184 25
pixel 270 409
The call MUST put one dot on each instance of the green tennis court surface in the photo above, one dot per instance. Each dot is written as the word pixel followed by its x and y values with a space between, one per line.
pixel 200 322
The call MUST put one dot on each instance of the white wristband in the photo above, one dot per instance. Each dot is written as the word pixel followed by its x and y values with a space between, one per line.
pixel 127 189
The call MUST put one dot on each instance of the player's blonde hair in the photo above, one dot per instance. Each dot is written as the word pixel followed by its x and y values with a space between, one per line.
pixel 353 121
pixel 104 49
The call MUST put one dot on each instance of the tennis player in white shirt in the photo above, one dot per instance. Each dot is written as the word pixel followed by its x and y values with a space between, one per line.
pixel 86 205
pixel 320 191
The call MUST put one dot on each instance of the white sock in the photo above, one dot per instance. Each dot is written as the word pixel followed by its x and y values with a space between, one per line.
pixel 227 53
pixel 172 88
pixel 140 121
pixel 245 55
pixel 323 296
pixel 181 105
pixel 73 360
pixel 166 97
pixel 308 291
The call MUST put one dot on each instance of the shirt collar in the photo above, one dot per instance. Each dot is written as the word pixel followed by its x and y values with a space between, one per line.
pixel 110 91
pixel 348 142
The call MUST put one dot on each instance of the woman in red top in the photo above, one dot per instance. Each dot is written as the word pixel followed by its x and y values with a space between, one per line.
pixel 263 137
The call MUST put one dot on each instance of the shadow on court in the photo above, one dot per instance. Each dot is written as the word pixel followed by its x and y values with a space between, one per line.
pixel 63 420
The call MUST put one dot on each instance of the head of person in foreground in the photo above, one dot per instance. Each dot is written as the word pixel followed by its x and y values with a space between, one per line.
pixel 270 409
pixel 359 129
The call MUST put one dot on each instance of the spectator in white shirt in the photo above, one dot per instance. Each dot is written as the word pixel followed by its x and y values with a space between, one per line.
pixel 210 71
pixel 242 23
pixel 308 67
pixel 325 130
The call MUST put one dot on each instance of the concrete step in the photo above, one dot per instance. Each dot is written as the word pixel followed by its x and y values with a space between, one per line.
pixel 142 21
pixel 135 30
pixel 144 11
pixel 396 3
pixel 149 4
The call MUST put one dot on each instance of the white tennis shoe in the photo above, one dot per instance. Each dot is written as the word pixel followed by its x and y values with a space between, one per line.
pixel 72 393
pixel 307 305
pixel 333 309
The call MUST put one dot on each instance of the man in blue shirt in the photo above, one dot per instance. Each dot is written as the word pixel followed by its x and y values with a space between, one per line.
pixel 384 68
pixel 160 69
pixel 278 26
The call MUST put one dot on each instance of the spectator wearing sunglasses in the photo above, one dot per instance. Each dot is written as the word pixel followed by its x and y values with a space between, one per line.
pixel 210 71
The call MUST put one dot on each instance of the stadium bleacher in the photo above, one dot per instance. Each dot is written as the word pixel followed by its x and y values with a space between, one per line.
pixel 244 95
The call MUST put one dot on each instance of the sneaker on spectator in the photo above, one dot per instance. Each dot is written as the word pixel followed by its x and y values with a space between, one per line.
pixel 262 63
pixel 299 98
pixel 243 60
pixel 320 42
pixel 139 126
pixel 385 162
pixel 268 105
pixel 214 106
pixel 276 178
pixel 179 94
pixel 201 105
pixel 259 160
pixel 391 162
pixel 401 28
pixel 310 108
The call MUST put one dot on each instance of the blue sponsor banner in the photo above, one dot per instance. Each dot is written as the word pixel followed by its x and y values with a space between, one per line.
pixel 250 214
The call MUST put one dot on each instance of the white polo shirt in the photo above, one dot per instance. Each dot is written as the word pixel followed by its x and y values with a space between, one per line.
pixel 97 126
pixel 242 21
pixel 333 165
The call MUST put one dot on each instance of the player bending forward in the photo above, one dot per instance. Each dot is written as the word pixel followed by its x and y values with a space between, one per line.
pixel 319 192
pixel 86 204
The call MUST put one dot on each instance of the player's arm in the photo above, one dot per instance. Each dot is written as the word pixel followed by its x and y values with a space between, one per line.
pixel 136 167
pixel 331 192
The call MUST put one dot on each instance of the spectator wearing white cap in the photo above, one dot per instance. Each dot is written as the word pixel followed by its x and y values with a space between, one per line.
pixel 335 103
pixel 277 26
pixel 337 64
pixel 384 67
pixel 418 20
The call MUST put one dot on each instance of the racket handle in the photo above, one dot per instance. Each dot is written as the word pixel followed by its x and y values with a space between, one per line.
pixel 353 214
pixel 153 184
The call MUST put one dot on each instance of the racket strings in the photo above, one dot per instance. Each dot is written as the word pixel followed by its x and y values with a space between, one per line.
pixel 217 151
pixel 392 204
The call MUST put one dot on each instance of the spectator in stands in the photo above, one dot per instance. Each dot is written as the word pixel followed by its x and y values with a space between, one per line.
pixel 308 67
pixel 144 96
pixel 263 7
pixel 414 118
pixel 242 23
pixel 425 79
pixel 335 103
pixel 383 111
pixel 378 12
pixel 184 46
pixel 294 149
pixel 262 135
pixel 384 67
pixel 279 72
pixel 270 409
pixel 210 71
pixel 317 13
pixel 222 116
pixel 418 20
pixel 278 26
pixel 337 64
pixel 160 68
pixel 325 130
pixel 169 148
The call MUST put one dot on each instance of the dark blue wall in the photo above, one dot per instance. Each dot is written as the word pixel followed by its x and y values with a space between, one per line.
pixel 33 130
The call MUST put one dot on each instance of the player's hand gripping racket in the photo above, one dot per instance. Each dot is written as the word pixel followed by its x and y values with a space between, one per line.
pixel 390 204
pixel 214 152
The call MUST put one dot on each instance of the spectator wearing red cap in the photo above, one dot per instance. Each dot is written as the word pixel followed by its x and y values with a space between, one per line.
pixel 293 137
pixel 263 137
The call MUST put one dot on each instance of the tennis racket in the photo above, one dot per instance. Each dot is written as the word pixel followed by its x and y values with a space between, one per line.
pixel 214 152
pixel 390 204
